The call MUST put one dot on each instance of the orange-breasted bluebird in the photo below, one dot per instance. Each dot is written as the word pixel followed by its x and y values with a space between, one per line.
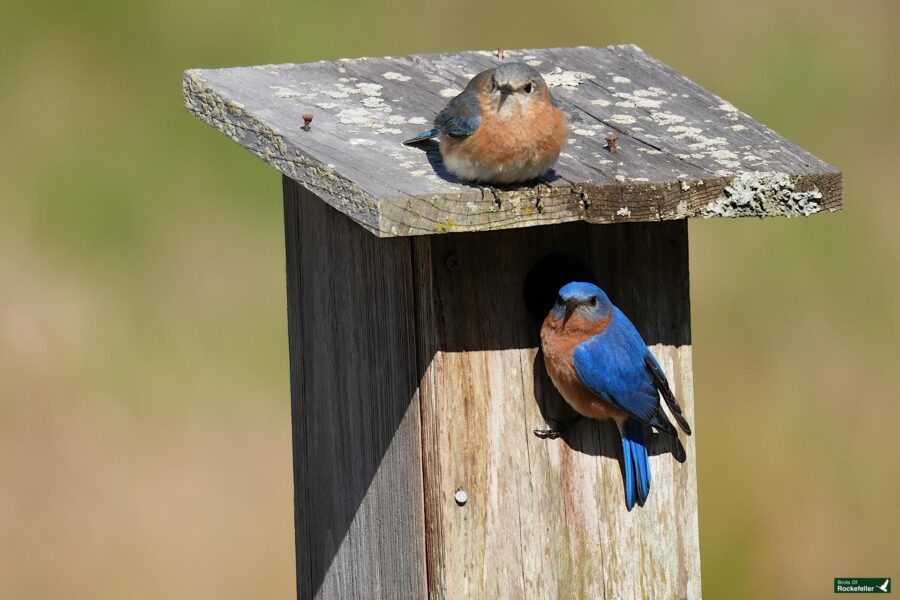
pixel 504 128
pixel 603 369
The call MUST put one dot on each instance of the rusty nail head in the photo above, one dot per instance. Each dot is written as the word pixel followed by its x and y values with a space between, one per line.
pixel 307 119
pixel 611 142
pixel 452 262
pixel 461 497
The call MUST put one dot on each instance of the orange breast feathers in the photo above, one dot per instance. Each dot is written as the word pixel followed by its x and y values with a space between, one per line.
pixel 533 133
pixel 558 341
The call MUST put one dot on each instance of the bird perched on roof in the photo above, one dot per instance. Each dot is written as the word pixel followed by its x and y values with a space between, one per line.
pixel 504 128
pixel 604 370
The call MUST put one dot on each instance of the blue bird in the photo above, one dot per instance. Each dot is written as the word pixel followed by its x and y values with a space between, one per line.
pixel 603 369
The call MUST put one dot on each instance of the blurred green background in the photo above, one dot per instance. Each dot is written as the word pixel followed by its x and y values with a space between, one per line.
pixel 144 405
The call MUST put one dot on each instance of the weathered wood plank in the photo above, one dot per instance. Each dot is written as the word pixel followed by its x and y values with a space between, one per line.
pixel 356 424
pixel 546 519
pixel 683 151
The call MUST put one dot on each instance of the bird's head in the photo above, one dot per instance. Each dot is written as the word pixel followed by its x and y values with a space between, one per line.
pixel 515 86
pixel 583 299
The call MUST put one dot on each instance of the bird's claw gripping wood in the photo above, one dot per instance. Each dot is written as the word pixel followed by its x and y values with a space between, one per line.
pixel 547 434
pixel 559 431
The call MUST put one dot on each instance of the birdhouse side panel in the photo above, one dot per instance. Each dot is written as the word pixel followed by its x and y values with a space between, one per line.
pixel 355 412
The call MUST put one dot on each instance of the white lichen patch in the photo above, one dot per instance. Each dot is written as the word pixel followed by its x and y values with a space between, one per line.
pixel 375 102
pixel 700 141
pixel 534 63
pixel 633 100
pixel 727 107
pixel 737 127
pixel 362 142
pixel 565 79
pixel 651 92
pixel 450 92
pixel 705 142
pixel 682 131
pixel 664 118
pixel 392 130
pixel 585 132
pixel 336 93
pixel 762 193
pixel 624 212
pixel 724 157
pixel 396 76
pixel 620 79
pixel 652 151
pixel 620 178
pixel 369 89
pixel 600 102
pixel 641 179
pixel 685 186
pixel 286 92
pixel 361 117
pixel 623 119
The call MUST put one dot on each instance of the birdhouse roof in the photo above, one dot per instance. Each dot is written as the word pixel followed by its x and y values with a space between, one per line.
pixel 680 151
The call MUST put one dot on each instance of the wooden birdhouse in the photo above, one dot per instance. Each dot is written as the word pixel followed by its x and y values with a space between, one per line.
pixel 415 301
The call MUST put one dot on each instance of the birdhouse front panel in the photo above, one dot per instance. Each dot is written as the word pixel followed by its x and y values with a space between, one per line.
pixel 548 517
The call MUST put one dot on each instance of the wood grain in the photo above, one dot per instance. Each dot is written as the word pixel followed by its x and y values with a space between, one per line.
pixel 355 411
pixel 682 151
pixel 547 518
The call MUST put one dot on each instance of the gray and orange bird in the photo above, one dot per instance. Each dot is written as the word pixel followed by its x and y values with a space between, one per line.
pixel 504 128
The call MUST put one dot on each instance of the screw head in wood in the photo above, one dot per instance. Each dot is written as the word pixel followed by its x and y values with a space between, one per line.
pixel 461 497
pixel 307 119
pixel 452 261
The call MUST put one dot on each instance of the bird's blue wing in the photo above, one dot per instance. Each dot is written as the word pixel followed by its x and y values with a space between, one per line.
pixel 461 117
pixel 612 365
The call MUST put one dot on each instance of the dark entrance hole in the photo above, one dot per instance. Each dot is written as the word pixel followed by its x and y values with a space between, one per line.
pixel 546 277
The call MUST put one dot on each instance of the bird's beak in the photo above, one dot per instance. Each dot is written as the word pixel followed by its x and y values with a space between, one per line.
pixel 571 305
pixel 505 91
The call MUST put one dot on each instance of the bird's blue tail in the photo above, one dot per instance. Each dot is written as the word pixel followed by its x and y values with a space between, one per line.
pixel 425 135
pixel 637 465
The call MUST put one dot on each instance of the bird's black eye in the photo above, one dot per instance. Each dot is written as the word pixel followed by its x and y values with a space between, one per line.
pixel 528 87
pixel 592 300
pixel 560 301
